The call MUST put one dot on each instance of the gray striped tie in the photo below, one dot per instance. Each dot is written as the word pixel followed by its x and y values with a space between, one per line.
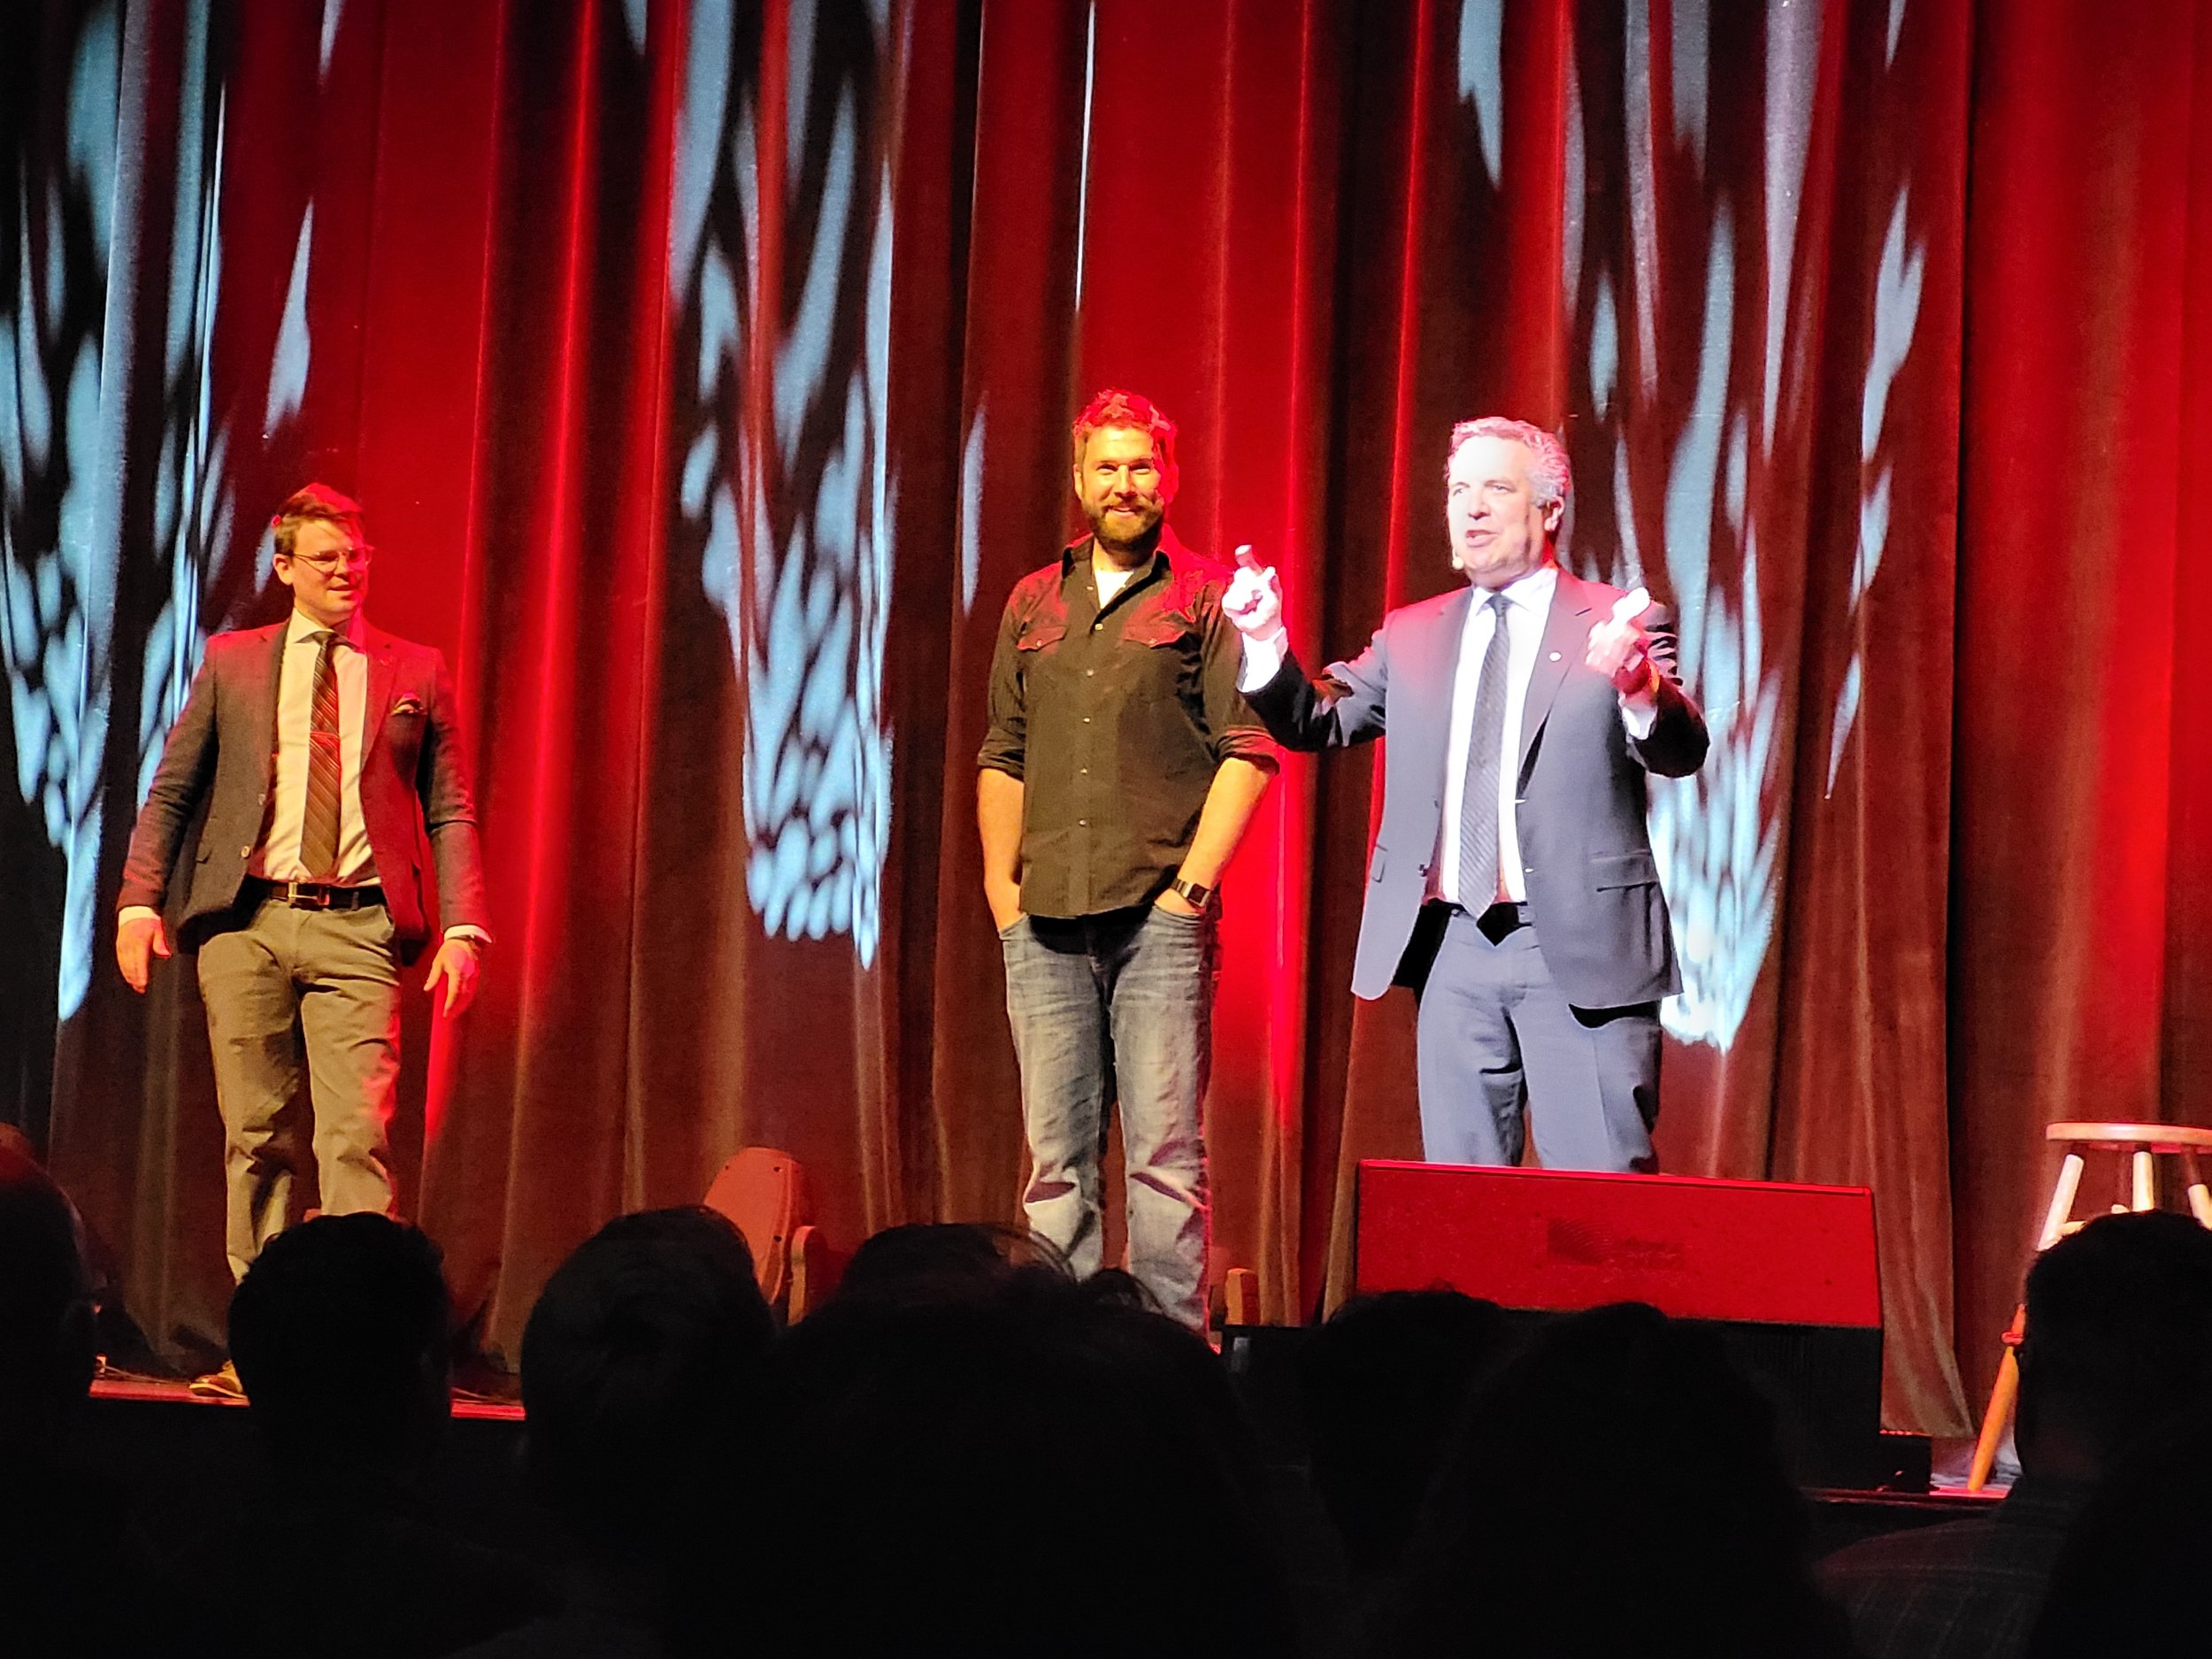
pixel 1486 749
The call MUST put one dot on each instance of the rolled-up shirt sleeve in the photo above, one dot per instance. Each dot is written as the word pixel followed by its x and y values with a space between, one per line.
pixel 1005 746
pixel 1232 729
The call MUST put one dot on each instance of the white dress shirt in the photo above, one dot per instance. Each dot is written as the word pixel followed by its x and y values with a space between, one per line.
pixel 1528 610
pixel 278 856
pixel 1528 607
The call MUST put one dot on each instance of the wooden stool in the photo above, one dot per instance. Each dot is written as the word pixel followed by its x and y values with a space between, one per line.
pixel 2144 1142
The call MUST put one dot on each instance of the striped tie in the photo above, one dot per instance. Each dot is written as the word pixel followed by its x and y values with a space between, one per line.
pixel 1485 752
pixel 318 835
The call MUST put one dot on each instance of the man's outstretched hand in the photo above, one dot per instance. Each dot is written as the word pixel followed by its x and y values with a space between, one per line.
pixel 1254 601
pixel 137 942
pixel 1621 651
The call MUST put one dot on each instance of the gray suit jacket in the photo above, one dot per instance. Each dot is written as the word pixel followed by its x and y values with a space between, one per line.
pixel 218 775
pixel 1592 885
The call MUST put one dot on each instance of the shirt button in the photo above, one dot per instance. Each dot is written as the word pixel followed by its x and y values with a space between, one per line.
pixel 1082 823
pixel 1090 673
pixel 1087 720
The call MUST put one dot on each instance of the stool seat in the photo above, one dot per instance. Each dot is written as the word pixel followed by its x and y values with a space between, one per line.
pixel 2156 1137
pixel 2143 1144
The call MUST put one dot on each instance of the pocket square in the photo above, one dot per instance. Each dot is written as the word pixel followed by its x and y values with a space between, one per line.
pixel 407 705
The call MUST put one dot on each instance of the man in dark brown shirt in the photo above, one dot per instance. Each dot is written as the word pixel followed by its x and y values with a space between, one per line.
pixel 1121 769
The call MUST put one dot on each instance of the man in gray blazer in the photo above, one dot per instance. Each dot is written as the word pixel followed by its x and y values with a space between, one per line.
pixel 1511 883
pixel 314 771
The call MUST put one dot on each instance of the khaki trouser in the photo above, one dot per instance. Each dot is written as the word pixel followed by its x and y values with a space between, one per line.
pixel 292 988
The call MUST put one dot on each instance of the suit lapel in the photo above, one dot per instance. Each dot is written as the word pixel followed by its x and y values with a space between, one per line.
pixel 266 695
pixel 1566 639
pixel 383 669
pixel 1436 661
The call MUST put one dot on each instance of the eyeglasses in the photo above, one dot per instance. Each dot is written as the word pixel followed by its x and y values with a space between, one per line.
pixel 355 557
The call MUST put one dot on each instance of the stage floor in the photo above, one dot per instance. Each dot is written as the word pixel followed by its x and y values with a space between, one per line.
pixel 126 1385
pixel 181 1456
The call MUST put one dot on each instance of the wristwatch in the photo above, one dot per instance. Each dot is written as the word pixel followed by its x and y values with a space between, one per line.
pixel 1192 893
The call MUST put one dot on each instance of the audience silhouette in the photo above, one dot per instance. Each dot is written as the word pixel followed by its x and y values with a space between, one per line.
pixel 2125 1580
pixel 639 1367
pixel 1384 1383
pixel 1615 1489
pixel 966 1451
pixel 77 1574
pixel 2119 1343
pixel 1009 1461
pixel 340 1332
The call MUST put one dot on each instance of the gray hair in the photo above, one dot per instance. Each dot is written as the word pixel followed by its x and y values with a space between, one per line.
pixel 1548 474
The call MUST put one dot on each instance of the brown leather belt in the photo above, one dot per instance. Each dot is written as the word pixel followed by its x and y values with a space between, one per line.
pixel 316 895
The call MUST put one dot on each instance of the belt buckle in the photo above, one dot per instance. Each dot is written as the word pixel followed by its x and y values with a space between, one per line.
pixel 305 895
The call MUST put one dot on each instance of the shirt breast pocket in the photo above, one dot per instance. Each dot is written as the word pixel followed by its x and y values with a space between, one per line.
pixel 1040 636
pixel 1157 631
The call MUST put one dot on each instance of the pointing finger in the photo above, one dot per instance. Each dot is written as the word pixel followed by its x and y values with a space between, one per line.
pixel 1247 559
pixel 1631 605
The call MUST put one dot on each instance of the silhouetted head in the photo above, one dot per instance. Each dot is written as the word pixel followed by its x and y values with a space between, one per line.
pixel 340 1332
pixel 47 1345
pixel 639 1366
pixel 2119 1340
pixel 940 1261
pixel 1386 1382
pixel 1616 1479
pixel 939 1471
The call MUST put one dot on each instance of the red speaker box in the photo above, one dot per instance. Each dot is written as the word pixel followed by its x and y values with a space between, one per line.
pixel 1783 1274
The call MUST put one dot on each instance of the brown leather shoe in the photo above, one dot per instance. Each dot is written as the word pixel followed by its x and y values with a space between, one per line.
pixel 220 1384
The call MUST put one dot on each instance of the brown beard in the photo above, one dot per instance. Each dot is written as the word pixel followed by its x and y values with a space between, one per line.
pixel 1143 542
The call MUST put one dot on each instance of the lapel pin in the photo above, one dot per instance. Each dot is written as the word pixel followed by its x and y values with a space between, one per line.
pixel 1554 657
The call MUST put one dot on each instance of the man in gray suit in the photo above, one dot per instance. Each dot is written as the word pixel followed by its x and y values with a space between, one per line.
pixel 319 762
pixel 1511 884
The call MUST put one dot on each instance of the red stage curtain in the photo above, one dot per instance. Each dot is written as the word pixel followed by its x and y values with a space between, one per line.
pixel 706 369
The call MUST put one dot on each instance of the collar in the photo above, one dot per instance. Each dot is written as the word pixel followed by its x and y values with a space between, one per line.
pixel 1163 555
pixel 302 626
pixel 1531 592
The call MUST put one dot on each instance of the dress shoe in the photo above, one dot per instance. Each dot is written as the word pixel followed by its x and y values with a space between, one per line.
pixel 220 1384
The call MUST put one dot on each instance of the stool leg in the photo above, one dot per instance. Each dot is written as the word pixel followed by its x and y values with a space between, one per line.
pixel 2061 1201
pixel 2001 1402
pixel 2008 1387
pixel 2146 1181
pixel 2200 1199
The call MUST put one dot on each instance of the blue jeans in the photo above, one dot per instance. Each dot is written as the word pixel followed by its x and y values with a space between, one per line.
pixel 1118 1007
